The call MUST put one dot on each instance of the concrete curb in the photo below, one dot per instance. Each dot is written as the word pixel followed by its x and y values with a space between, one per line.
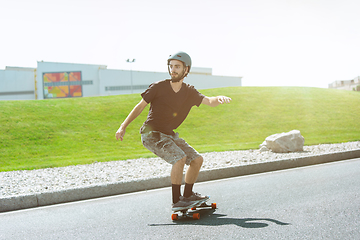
pixel 76 194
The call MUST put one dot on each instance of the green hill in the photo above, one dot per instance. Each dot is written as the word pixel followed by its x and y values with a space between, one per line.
pixel 60 132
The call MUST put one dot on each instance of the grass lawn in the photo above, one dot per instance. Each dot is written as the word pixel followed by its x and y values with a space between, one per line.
pixel 60 132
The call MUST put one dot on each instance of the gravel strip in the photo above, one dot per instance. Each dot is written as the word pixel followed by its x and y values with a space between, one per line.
pixel 26 182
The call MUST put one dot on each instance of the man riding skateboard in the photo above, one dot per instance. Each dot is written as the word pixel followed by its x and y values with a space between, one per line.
pixel 170 102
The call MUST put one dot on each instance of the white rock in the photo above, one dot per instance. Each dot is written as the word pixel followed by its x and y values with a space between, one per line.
pixel 264 149
pixel 285 142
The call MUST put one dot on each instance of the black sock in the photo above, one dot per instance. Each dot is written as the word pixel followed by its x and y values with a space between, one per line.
pixel 176 193
pixel 188 190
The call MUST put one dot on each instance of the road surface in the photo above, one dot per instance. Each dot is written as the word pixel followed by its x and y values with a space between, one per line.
pixel 315 202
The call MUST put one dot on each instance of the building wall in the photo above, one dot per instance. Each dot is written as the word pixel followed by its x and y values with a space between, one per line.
pixel 114 82
pixel 17 84
pixel 89 76
pixel 60 80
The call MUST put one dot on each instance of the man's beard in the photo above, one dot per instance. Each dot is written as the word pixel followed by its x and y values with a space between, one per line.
pixel 177 77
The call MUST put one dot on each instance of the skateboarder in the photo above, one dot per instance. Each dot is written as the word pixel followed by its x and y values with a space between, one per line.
pixel 170 102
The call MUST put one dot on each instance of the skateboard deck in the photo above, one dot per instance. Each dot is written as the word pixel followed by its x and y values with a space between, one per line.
pixel 188 212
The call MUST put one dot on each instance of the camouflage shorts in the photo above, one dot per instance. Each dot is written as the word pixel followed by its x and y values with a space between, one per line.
pixel 170 148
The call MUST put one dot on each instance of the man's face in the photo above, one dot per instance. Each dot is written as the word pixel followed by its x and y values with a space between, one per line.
pixel 176 68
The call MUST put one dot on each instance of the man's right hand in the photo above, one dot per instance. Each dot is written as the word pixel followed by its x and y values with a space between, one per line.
pixel 120 133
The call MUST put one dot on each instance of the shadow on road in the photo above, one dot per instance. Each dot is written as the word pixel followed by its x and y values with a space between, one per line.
pixel 212 219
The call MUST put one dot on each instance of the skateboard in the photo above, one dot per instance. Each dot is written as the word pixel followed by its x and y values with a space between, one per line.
pixel 188 212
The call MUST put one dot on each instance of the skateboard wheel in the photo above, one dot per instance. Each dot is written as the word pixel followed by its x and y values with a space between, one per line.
pixel 196 216
pixel 213 205
pixel 194 208
pixel 174 217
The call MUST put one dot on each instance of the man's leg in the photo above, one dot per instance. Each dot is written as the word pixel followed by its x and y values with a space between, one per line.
pixel 191 175
pixel 165 147
pixel 193 170
pixel 179 202
pixel 176 178
pixel 177 171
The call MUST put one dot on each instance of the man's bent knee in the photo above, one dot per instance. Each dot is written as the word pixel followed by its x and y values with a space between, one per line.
pixel 197 161
pixel 181 161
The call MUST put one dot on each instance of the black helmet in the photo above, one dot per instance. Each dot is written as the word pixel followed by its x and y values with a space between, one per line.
pixel 183 57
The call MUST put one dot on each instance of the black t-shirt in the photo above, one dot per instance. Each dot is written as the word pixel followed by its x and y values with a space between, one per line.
pixel 168 109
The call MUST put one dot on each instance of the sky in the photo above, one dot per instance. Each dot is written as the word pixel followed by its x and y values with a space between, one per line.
pixel 307 43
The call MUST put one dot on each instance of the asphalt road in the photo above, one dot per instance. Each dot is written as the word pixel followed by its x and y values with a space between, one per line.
pixel 316 202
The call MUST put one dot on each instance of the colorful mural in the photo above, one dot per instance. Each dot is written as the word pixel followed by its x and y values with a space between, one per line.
pixel 62 84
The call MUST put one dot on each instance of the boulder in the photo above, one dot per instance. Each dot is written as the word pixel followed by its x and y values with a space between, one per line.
pixel 284 142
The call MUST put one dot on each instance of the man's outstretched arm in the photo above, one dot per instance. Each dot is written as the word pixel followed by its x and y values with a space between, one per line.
pixel 215 101
pixel 131 117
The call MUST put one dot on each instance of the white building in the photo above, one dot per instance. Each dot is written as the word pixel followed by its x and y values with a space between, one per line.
pixel 64 80
pixel 350 85
pixel 17 83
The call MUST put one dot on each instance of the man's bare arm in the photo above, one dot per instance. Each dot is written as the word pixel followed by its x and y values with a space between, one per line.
pixel 131 117
pixel 215 101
